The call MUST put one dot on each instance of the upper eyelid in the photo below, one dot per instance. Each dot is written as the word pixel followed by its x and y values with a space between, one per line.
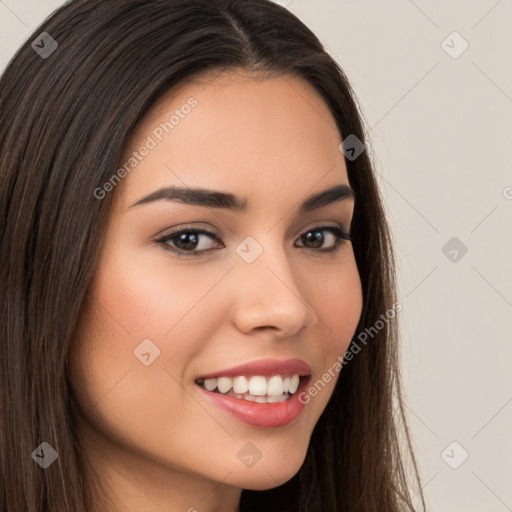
pixel 341 235
pixel 207 231
pixel 201 231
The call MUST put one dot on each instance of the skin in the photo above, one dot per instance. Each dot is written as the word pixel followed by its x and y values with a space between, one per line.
pixel 153 439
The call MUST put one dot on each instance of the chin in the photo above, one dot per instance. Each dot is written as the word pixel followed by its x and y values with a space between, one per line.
pixel 268 475
pixel 264 481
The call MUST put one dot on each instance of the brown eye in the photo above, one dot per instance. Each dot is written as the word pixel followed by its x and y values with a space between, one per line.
pixel 187 240
pixel 314 239
pixel 194 242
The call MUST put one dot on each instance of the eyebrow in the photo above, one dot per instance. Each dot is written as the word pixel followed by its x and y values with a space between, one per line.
pixel 228 201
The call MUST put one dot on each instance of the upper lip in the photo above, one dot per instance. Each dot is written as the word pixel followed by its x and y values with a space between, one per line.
pixel 264 367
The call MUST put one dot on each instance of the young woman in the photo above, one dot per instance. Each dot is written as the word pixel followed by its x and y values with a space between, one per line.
pixel 198 309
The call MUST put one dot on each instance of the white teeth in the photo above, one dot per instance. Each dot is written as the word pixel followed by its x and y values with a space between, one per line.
pixel 224 384
pixel 256 388
pixel 276 398
pixel 257 385
pixel 275 385
pixel 210 384
pixel 240 385
pixel 268 399
pixel 294 384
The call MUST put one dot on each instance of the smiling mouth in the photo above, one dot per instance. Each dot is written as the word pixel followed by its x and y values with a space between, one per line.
pixel 256 388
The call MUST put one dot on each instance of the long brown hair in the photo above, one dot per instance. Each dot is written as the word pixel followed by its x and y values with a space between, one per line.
pixel 65 120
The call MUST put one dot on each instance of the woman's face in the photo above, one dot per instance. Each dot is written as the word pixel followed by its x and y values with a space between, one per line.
pixel 164 312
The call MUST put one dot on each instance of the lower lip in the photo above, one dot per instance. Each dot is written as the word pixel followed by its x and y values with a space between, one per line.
pixel 273 415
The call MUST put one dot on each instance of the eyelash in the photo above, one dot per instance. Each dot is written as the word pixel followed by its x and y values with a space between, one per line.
pixel 336 231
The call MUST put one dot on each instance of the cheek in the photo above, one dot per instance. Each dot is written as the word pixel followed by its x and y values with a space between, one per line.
pixel 120 395
pixel 132 300
pixel 150 295
pixel 336 296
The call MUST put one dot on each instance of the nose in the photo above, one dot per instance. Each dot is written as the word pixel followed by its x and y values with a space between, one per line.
pixel 268 296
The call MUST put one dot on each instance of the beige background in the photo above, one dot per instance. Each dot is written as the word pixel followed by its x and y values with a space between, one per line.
pixel 441 128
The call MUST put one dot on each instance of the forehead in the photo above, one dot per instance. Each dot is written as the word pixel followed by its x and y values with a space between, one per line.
pixel 247 134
